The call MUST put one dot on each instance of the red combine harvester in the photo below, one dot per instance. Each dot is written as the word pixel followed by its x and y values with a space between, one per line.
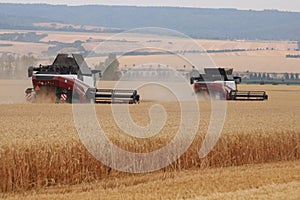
pixel 70 80
pixel 219 83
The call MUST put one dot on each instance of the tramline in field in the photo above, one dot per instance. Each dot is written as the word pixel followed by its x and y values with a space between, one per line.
pixel 70 80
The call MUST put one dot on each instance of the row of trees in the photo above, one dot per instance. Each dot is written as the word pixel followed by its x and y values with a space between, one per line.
pixel 292 56
pixel 15 67
pixel 23 37
pixel 273 76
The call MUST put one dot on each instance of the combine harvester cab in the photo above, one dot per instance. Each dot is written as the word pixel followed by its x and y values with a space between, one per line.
pixel 70 80
pixel 221 84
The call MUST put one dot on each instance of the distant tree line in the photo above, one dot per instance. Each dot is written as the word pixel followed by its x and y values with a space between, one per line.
pixel 273 76
pixel 269 78
pixel 15 67
pixel 292 56
pixel 22 37
pixel 57 47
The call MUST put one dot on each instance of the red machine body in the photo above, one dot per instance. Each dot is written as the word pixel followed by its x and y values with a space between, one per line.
pixel 70 80
pixel 220 84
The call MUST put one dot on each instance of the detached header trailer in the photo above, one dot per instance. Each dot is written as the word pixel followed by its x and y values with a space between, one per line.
pixel 70 80
pixel 221 84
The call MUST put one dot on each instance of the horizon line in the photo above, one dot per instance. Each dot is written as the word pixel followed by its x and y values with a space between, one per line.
pixel 155 6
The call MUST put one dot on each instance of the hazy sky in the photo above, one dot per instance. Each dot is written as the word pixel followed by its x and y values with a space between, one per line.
pixel 287 5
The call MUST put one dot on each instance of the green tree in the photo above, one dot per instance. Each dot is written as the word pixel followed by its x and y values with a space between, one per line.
pixel 100 66
pixel 286 76
pixel 15 67
pixel 254 76
pixel 21 65
pixel 292 76
pixel 259 75
pixel 7 62
pixel 110 68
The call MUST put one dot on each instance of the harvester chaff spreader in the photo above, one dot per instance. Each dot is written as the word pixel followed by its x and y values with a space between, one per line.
pixel 70 80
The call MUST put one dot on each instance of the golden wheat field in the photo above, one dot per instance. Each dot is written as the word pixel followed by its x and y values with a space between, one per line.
pixel 256 157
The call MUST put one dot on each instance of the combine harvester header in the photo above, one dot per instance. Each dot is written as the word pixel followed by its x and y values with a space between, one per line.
pixel 219 83
pixel 70 80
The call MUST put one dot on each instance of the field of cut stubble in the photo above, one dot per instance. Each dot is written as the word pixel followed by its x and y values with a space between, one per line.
pixel 257 156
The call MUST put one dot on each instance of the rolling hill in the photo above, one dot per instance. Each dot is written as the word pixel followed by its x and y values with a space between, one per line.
pixel 195 22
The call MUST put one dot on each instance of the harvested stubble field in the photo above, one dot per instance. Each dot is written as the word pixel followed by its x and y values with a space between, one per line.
pixel 261 61
pixel 272 58
pixel 41 156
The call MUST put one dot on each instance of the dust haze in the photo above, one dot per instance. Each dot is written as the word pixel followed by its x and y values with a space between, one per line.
pixel 13 91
